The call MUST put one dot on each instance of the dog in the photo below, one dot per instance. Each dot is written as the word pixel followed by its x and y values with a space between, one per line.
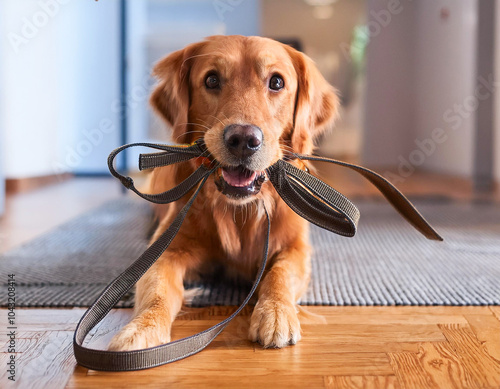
pixel 253 101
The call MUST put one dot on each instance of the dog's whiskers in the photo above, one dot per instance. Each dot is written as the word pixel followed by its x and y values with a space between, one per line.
pixel 289 152
pixel 187 133
pixel 221 122
pixel 203 121
pixel 285 147
pixel 193 124
pixel 225 116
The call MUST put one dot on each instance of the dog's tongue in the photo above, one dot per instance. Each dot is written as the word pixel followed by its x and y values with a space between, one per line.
pixel 236 176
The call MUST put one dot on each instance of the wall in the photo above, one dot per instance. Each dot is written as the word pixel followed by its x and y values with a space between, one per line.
pixel 421 66
pixel 29 120
pixel 389 124
pixel 93 42
pixel 139 81
pixel 61 82
pixel 2 97
pixel 445 79
pixel 497 97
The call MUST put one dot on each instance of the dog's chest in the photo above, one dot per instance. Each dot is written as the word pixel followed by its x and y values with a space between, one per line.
pixel 241 234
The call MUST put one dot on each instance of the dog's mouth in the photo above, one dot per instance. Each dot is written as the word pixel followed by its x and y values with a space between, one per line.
pixel 238 181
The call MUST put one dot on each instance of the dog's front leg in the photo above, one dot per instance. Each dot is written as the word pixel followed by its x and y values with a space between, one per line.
pixel 274 321
pixel 158 299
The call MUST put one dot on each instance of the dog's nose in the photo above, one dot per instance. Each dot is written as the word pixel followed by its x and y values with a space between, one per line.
pixel 242 140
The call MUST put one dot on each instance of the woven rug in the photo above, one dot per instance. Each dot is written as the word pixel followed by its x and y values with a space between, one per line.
pixel 386 263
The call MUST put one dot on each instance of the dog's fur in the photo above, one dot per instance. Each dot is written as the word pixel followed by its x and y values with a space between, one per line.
pixel 227 230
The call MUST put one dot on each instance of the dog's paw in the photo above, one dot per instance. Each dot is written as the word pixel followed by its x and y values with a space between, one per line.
pixel 274 324
pixel 136 335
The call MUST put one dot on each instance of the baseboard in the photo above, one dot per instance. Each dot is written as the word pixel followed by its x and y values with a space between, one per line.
pixel 19 185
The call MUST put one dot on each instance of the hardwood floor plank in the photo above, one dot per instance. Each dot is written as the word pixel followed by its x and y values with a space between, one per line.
pixel 496 311
pixel 351 315
pixel 487 330
pixel 23 335
pixel 361 382
pixel 410 372
pixel 45 361
pixel 197 380
pixel 290 360
pixel 436 366
pixel 474 357
pixel 363 332
pixel 443 366
pixel 334 313
pixel 439 365
pixel 331 333
pixel 336 337
pixel 43 319
pixel 100 336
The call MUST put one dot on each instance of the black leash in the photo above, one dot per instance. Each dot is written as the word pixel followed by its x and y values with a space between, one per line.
pixel 307 195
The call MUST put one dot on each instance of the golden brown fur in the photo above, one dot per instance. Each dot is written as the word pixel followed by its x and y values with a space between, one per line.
pixel 218 228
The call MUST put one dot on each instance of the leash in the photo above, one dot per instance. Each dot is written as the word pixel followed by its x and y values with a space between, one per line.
pixel 304 193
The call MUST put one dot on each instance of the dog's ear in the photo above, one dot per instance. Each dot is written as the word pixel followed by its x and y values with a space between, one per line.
pixel 316 103
pixel 170 99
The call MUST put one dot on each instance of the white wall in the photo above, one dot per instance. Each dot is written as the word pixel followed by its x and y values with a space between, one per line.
pixel 445 77
pixel 390 94
pixel 30 99
pixel 497 97
pixel 419 67
pixel 57 85
pixel 138 77
pixel 2 97
pixel 94 43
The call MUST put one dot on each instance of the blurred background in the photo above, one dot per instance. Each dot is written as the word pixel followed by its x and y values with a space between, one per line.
pixel 416 78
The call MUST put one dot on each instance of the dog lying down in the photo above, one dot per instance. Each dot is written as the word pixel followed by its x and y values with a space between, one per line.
pixel 253 101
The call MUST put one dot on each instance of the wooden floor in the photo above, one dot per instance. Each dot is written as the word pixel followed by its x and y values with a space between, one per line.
pixel 341 347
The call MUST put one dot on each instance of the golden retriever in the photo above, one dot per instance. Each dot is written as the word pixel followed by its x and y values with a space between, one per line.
pixel 252 100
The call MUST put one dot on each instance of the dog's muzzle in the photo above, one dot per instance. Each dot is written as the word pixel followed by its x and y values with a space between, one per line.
pixel 242 141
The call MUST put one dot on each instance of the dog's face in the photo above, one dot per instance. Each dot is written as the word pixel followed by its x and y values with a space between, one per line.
pixel 253 100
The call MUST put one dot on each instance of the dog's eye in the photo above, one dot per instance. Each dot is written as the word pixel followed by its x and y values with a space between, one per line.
pixel 212 81
pixel 276 83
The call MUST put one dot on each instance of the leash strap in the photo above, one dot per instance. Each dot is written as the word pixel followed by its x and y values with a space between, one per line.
pixel 170 155
pixel 305 194
pixel 311 198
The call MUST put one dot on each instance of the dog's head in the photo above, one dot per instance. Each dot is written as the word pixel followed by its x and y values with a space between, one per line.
pixel 253 100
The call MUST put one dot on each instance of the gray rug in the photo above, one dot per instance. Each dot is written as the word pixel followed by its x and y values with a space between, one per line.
pixel 386 263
